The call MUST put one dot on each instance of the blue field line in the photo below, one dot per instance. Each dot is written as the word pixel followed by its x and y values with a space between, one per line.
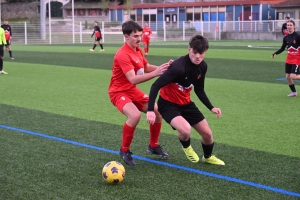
pixel 284 79
pixel 227 178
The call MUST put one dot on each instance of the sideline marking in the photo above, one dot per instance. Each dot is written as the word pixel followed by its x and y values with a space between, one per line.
pixel 227 178
pixel 284 79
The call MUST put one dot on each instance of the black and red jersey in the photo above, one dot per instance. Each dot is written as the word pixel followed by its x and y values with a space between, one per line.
pixel 292 43
pixel 176 83
pixel 7 30
pixel 97 32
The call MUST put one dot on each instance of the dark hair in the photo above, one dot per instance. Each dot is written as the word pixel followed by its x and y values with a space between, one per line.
pixel 199 44
pixel 130 26
pixel 5 19
pixel 287 17
pixel 291 21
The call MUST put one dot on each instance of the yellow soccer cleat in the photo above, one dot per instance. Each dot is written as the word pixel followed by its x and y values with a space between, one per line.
pixel 191 154
pixel 213 160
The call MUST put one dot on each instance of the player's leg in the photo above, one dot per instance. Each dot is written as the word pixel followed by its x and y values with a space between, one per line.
pixel 288 71
pixel 95 44
pixel 1 60
pixel 154 147
pixel 203 129
pixel 9 49
pixel 101 45
pixel 148 46
pixel 145 47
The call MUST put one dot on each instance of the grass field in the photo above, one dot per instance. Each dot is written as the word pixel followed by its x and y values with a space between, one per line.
pixel 58 128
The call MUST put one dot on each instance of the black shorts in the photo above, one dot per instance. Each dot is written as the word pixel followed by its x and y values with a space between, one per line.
pixel 291 69
pixel 8 42
pixel 98 39
pixel 1 50
pixel 189 112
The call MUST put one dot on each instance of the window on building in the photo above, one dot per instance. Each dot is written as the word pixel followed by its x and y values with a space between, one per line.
pixel 197 14
pixel 189 14
pixel 146 18
pixel 153 18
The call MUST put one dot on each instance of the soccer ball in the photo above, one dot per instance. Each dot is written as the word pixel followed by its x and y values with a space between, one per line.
pixel 113 172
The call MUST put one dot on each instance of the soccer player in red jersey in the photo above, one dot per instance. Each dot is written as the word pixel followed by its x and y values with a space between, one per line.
pixel 292 63
pixel 147 32
pixel 129 69
pixel 8 36
pixel 175 105
pixel 98 37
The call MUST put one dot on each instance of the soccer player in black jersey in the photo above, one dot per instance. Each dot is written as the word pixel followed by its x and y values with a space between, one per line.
pixel 175 105
pixel 284 30
pixel 292 63
pixel 98 37
pixel 8 36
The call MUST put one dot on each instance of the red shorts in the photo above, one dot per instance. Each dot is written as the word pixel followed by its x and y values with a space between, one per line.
pixel 136 96
pixel 146 41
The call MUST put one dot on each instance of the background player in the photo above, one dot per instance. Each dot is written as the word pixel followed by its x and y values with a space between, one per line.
pixel 2 41
pixel 292 62
pixel 147 32
pixel 175 105
pixel 8 37
pixel 98 37
pixel 128 70
pixel 284 30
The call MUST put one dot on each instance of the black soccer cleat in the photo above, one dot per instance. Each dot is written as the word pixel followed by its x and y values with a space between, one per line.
pixel 126 156
pixel 158 151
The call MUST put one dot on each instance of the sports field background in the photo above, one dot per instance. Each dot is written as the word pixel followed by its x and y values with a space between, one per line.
pixel 58 127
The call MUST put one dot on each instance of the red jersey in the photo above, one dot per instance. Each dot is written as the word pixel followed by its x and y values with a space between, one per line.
pixel 125 60
pixel 146 33
pixel 7 35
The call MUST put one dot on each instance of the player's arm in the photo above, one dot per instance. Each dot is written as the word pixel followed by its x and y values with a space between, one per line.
pixel 284 44
pixel 150 68
pixel 136 79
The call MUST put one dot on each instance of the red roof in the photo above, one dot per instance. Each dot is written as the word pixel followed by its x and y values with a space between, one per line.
pixel 288 3
pixel 206 3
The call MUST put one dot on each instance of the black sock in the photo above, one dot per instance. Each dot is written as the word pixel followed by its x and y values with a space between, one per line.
pixel 1 64
pixel 94 46
pixel 207 149
pixel 10 54
pixel 185 144
pixel 101 46
pixel 292 87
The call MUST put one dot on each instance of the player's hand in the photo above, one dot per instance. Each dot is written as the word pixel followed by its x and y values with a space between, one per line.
pixel 151 117
pixel 161 69
pixel 170 62
pixel 273 55
pixel 217 111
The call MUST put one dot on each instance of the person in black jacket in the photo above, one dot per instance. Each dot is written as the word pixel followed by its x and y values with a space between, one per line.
pixel 175 105
pixel 98 37
pixel 292 62
pixel 284 30
pixel 8 36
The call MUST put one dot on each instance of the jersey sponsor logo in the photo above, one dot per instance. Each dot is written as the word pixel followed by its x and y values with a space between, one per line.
pixel 140 71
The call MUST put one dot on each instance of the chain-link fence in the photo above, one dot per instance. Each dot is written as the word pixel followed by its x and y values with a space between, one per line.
pixel 66 32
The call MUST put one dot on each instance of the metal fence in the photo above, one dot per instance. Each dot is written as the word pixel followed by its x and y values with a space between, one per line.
pixel 66 32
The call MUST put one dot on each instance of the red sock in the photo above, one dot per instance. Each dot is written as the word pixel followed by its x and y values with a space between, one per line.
pixel 154 133
pixel 127 137
pixel 145 50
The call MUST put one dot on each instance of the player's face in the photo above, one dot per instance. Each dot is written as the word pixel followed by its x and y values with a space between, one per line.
pixel 146 25
pixel 134 39
pixel 6 22
pixel 196 57
pixel 291 27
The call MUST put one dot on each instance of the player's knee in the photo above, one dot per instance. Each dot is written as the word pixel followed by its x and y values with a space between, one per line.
pixel 185 131
pixel 207 135
pixel 135 117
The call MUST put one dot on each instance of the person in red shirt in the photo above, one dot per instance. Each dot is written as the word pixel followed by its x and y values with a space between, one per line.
pixel 129 69
pixel 147 32
pixel 292 63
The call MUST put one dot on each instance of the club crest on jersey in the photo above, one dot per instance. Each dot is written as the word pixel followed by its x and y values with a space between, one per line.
pixel 294 41
pixel 198 77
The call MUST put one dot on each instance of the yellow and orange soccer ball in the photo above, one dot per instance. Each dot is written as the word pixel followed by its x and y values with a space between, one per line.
pixel 113 172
